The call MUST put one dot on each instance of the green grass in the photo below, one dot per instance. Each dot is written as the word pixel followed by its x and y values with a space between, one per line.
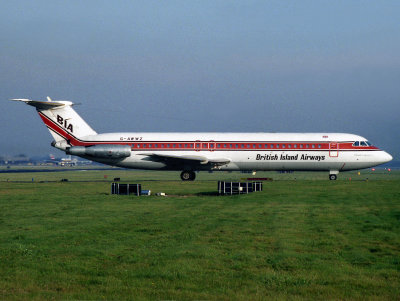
pixel 303 237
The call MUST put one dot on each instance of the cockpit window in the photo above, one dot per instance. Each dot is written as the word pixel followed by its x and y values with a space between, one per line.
pixel 362 143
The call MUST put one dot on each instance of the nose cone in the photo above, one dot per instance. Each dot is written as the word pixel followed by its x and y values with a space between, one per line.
pixel 385 157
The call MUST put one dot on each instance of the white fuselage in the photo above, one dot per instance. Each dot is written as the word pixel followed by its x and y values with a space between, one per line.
pixel 332 152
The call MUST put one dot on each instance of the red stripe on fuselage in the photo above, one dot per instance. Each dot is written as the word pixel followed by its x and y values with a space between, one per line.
pixel 218 145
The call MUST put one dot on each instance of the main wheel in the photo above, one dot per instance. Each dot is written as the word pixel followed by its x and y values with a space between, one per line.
pixel 332 177
pixel 188 175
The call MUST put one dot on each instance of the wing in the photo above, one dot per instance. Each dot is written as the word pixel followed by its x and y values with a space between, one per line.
pixel 176 160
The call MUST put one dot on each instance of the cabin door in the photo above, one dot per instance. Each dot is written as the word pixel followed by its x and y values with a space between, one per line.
pixel 208 145
pixel 333 149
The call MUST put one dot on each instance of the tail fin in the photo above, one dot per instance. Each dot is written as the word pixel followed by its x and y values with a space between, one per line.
pixel 64 124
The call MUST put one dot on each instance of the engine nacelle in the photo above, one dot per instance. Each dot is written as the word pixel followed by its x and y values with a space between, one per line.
pixel 109 151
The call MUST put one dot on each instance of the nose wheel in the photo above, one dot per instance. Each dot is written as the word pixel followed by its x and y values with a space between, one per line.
pixel 332 177
pixel 188 175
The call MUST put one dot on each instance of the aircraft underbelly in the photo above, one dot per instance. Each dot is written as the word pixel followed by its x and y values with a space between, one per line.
pixel 139 164
pixel 288 166
pixel 301 161
pixel 285 161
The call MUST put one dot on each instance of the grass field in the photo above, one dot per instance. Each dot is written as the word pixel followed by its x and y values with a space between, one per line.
pixel 303 237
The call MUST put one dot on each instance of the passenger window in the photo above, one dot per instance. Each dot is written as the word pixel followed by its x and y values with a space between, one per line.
pixel 259 146
pixel 319 145
pixel 307 146
pixel 211 145
pixel 277 146
pixel 313 146
pixel 283 145
pixel 289 146
pixel 272 146
pixel 295 146
pixel 301 145
pixel 242 146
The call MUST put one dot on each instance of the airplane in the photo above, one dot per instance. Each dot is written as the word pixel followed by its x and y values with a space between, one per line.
pixel 68 161
pixel 192 152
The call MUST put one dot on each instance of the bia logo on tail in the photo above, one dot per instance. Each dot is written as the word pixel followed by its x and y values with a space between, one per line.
pixel 65 124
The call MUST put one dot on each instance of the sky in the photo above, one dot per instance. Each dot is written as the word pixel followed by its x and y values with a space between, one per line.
pixel 206 66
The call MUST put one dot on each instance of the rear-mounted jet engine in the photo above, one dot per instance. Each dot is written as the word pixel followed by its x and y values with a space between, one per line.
pixel 109 151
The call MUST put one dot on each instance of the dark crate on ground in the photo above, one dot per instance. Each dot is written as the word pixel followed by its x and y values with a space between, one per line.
pixel 257 186
pixel 126 189
pixel 238 187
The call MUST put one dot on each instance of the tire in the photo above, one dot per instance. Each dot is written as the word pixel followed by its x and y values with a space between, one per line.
pixel 332 177
pixel 188 175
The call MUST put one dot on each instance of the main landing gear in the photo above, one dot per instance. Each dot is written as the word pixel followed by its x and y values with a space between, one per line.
pixel 332 177
pixel 188 175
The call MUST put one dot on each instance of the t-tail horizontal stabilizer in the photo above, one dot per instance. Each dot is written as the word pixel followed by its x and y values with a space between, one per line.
pixel 64 124
pixel 44 105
